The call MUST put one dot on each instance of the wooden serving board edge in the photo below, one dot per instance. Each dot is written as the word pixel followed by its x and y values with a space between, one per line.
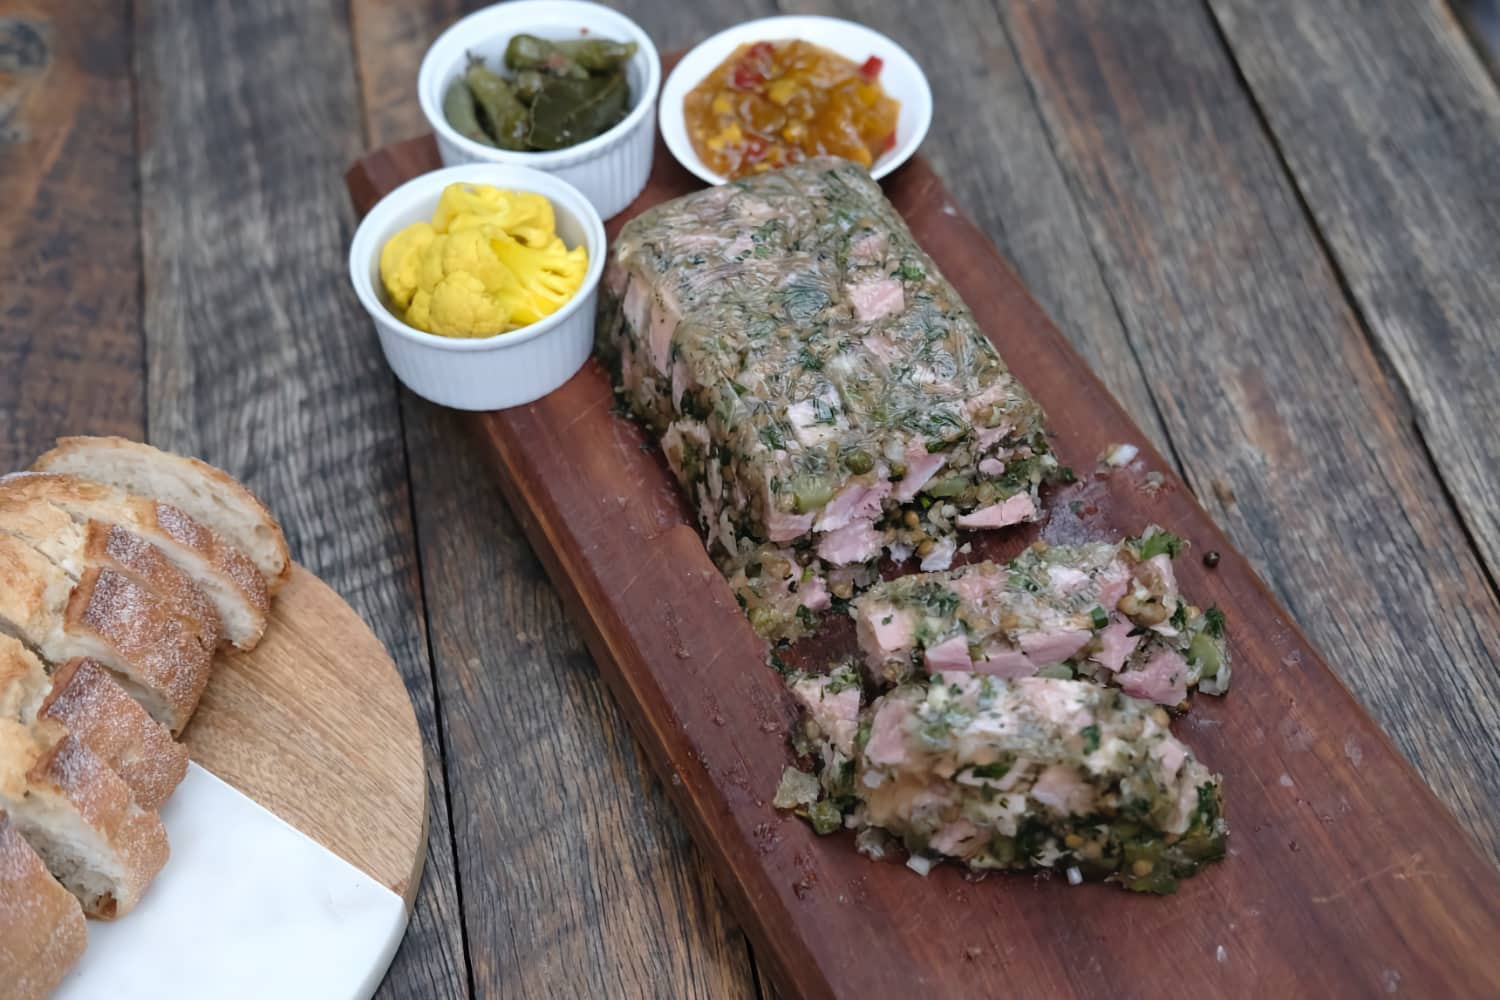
pixel 315 725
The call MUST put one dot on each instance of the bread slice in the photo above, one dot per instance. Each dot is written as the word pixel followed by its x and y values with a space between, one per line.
pixel 226 576
pixel 42 931
pixel 208 495
pixel 78 815
pixel 109 617
pixel 86 700
pixel 75 547
pixel 23 682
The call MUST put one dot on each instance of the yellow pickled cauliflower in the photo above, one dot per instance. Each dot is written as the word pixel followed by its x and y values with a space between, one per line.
pixel 489 261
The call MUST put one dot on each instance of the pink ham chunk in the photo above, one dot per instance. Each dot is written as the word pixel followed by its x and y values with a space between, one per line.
pixel 887 744
pixel 853 543
pixel 855 502
pixel 950 654
pixel 1063 790
pixel 1003 661
pixel 1113 583
pixel 1116 645
pixel 884 631
pixel 665 315
pixel 877 298
pixel 1162 679
pixel 920 467
pixel 1013 510
pixel 1054 646
pixel 784 527
pixel 813 595
pixel 837 714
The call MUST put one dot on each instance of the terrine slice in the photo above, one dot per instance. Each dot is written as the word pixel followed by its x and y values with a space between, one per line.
pixel 1011 774
pixel 1109 612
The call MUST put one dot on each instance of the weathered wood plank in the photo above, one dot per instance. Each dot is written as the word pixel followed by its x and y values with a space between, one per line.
pixel 1390 126
pixel 577 878
pixel 260 359
pixel 569 811
pixel 990 147
pixel 1286 425
pixel 70 337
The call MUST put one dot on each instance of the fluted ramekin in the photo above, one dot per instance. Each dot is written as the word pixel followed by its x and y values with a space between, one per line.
pixel 494 372
pixel 610 169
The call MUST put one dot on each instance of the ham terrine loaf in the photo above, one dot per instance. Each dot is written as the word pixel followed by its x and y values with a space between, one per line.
pixel 820 391
pixel 1000 773
pixel 1109 612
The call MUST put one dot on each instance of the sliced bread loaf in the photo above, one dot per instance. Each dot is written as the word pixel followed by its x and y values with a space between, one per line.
pixel 23 681
pixel 208 495
pixel 42 932
pixel 111 618
pixel 78 815
pixel 86 699
pixel 226 575
pixel 77 546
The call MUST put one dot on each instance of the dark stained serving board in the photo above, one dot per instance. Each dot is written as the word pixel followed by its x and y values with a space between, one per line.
pixel 1345 875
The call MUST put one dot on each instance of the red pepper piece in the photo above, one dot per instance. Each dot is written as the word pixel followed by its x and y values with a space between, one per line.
pixel 889 144
pixel 871 68
pixel 746 77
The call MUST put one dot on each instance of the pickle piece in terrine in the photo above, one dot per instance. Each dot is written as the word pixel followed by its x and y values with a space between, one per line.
pixel 1109 612
pixel 814 381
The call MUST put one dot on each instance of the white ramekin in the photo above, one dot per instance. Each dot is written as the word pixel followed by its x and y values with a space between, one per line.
pixel 505 370
pixel 901 77
pixel 610 169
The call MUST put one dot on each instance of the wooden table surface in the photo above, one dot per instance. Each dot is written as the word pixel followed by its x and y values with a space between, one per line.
pixel 1271 225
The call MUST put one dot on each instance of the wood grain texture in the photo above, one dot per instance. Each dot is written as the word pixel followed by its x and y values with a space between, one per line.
pixel 1288 429
pixel 1345 874
pixel 584 833
pixel 70 336
pixel 990 147
pixel 259 358
pixel 577 879
pixel 1390 126
pixel 315 725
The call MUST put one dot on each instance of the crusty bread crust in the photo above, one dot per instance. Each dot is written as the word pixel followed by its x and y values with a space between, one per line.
pixel 42 931
pixel 227 577
pixel 74 547
pixel 109 546
pixel 110 617
pixel 150 645
pixel 208 494
pixel 79 816
pixel 86 699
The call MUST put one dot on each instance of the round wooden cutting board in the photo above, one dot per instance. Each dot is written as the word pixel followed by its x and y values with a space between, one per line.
pixel 315 725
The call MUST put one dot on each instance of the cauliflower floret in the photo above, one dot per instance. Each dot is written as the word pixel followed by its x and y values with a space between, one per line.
pixel 401 262
pixel 489 261
pixel 523 214
pixel 548 275
pixel 459 306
